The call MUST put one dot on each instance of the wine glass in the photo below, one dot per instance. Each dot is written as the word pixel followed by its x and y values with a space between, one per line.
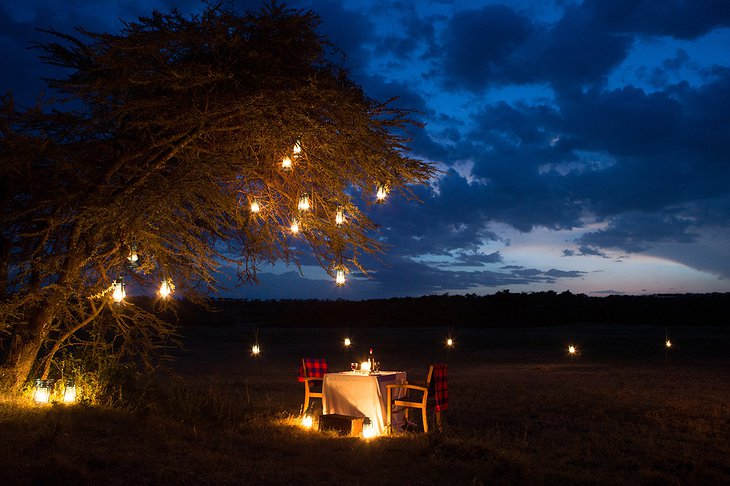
pixel 353 366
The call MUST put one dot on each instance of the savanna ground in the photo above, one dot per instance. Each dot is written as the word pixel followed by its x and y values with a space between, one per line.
pixel 521 412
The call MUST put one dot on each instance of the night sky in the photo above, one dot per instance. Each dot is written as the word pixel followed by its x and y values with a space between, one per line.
pixel 585 146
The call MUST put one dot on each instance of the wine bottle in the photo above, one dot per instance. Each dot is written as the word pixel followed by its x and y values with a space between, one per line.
pixel 371 361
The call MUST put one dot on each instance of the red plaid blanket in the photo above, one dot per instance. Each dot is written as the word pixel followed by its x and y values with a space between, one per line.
pixel 440 387
pixel 312 368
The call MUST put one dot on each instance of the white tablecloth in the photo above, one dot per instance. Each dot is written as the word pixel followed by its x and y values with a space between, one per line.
pixel 361 395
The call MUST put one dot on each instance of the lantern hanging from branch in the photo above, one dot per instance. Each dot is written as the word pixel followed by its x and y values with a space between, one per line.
pixel 255 206
pixel 118 294
pixel 166 288
pixel 294 226
pixel 340 216
pixel 340 277
pixel 255 350
pixel 304 202
pixel 381 193
pixel 297 149
pixel 286 163
pixel 133 256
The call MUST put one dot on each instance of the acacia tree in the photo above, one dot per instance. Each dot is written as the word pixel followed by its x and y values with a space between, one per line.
pixel 177 125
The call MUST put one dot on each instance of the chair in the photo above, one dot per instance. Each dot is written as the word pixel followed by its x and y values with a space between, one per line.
pixel 434 394
pixel 311 373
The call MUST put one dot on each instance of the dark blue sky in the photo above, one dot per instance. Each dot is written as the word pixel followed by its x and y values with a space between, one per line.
pixel 585 144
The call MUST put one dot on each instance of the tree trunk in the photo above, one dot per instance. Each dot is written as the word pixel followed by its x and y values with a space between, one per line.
pixel 24 350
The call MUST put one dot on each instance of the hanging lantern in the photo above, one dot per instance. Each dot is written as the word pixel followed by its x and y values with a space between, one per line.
pixel 42 391
pixel 166 288
pixel 69 393
pixel 668 343
pixel 294 226
pixel 340 216
pixel 255 350
pixel 297 149
pixel 255 207
pixel 382 192
pixel 118 294
pixel 133 257
pixel 340 277
pixel 304 202
pixel 571 350
pixel 347 342
pixel 450 342
pixel 286 163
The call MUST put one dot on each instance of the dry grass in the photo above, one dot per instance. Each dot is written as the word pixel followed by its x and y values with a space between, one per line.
pixel 521 412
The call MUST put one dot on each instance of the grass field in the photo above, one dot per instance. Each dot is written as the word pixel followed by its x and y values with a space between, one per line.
pixel 624 411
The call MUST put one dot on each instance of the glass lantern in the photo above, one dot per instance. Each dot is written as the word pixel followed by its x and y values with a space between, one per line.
pixel 118 294
pixel 42 391
pixel 69 393
pixel 304 202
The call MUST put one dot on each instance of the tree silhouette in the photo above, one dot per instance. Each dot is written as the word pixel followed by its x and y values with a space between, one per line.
pixel 173 129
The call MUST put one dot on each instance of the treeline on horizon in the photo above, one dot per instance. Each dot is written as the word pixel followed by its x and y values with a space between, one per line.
pixel 500 309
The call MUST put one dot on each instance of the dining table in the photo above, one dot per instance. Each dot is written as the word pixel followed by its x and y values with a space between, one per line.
pixel 362 394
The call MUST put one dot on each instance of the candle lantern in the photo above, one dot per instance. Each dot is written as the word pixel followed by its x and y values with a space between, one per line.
pixel 286 163
pixel 572 350
pixel 118 294
pixel 297 149
pixel 668 343
pixel 339 216
pixel 450 342
pixel 368 430
pixel 166 288
pixel 304 202
pixel 382 193
pixel 347 342
pixel 340 277
pixel 255 350
pixel 42 391
pixel 69 393
pixel 255 206
pixel 294 226
pixel 307 421
pixel 133 256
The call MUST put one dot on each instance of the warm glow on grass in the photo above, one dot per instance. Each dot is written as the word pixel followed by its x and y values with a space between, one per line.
pixel 307 421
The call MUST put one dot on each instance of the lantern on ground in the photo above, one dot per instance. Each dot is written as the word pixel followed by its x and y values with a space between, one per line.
pixel 307 421
pixel 166 288
pixel 118 293
pixel 381 193
pixel 286 163
pixel 294 226
pixel 69 393
pixel 368 430
pixel 255 206
pixel 340 216
pixel 304 202
pixel 42 391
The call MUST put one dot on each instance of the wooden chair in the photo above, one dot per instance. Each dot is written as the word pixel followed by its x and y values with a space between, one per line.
pixel 311 373
pixel 435 393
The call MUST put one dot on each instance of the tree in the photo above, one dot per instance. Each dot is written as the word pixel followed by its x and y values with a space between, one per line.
pixel 175 127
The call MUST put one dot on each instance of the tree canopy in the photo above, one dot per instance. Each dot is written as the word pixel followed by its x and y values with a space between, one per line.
pixel 172 129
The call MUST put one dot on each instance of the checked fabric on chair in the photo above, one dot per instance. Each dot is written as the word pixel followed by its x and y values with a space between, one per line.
pixel 311 372
pixel 434 394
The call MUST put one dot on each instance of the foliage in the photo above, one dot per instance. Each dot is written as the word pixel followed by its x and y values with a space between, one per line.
pixel 174 126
